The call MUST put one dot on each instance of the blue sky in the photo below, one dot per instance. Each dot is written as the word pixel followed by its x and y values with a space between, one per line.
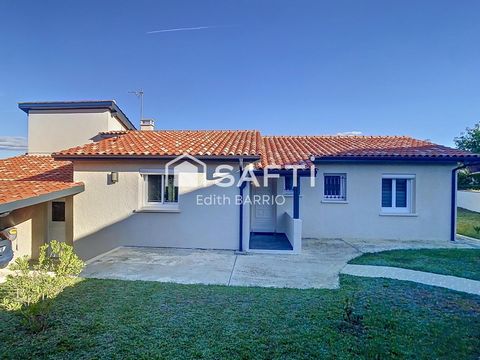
pixel 282 67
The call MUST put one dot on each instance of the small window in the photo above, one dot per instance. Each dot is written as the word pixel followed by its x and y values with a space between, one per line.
pixel 335 187
pixel 397 193
pixel 161 190
pixel 58 211
pixel 288 184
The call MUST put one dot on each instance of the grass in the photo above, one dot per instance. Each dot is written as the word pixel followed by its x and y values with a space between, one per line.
pixel 112 319
pixel 456 262
pixel 467 221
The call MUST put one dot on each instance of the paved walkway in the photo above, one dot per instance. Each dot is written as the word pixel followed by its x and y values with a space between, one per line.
pixel 318 266
pixel 445 281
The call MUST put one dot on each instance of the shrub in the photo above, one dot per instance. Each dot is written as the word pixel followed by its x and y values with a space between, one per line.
pixel 30 290
pixel 477 229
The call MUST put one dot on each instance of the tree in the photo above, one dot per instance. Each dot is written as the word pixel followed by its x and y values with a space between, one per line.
pixel 469 140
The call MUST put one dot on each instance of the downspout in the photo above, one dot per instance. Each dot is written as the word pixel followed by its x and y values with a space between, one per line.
pixel 240 230
pixel 453 209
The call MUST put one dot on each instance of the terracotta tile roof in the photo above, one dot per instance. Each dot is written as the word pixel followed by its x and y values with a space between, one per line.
pixel 27 176
pixel 13 190
pixel 293 150
pixel 273 150
pixel 172 143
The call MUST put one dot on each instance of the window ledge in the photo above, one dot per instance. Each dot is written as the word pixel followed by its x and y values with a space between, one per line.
pixel 399 214
pixel 334 201
pixel 157 210
pixel 289 195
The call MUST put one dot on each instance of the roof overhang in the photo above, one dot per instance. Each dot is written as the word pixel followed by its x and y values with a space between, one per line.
pixel 79 105
pixel 34 200
pixel 398 159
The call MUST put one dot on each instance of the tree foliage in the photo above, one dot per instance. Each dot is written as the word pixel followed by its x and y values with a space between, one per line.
pixel 469 140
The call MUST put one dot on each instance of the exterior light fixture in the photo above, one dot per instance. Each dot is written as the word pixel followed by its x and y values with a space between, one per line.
pixel 114 177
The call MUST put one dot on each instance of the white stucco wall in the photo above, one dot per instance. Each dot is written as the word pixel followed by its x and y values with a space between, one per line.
pixel 469 200
pixel 360 216
pixel 54 130
pixel 106 217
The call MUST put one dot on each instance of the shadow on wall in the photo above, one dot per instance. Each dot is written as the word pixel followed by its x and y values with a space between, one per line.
pixel 31 222
pixel 195 224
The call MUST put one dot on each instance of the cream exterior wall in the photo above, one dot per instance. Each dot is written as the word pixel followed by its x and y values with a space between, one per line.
pixel 54 130
pixel 31 224
pixel 106 215
pixel 360 216
pixel 32 227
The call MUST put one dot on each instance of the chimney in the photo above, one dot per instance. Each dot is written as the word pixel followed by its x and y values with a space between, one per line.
pixel 147 125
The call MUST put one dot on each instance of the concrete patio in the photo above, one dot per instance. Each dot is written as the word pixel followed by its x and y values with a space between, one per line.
pixel 318 266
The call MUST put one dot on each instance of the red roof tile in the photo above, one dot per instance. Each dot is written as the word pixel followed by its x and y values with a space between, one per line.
pixel 293 150
pixel 273 150
pixel 32 167
pixel 173 143
pixel 27 176
pixel 13 190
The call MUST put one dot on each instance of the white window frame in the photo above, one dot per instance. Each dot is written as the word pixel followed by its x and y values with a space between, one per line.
pixel 343 188
pixel 154 205
pixel 410 189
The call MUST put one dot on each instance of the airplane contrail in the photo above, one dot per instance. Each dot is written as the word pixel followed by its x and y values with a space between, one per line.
pixel 181 29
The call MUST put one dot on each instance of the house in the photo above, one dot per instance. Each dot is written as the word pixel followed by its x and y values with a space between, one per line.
pixel 236 190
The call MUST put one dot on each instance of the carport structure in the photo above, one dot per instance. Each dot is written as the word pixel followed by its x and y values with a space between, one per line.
pixel 36 197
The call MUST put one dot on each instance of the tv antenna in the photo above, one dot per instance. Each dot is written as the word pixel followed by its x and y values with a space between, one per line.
pixel 139 94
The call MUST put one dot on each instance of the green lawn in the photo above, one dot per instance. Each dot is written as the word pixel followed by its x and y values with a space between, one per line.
pixel 108 319
pixel 457 262
pixel 466 220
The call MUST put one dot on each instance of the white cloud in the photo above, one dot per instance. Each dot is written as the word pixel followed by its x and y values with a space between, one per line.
pixel 350 133
pixel 182 29
pixel 13 143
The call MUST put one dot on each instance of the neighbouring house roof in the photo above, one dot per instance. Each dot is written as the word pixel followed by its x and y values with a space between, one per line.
pixel 28 180
pixel 75 105
pixel 200 143
pixel 271 150
pixel 297 150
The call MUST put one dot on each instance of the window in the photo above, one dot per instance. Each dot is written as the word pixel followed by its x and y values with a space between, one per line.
pixel 58 211
pixel 161 191
pixel 335 187
pixel 397 193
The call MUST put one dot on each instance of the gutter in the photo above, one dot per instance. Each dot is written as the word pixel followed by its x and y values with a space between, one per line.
pixel 240 230
pixel 453 210
pixel 414 159
pixel 453 206
pixel 34 200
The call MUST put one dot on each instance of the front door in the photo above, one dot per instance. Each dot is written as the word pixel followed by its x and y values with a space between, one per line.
pixel 56 220
pixel 263 217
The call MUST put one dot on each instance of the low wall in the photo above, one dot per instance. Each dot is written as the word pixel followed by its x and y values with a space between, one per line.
pixel 469 200
pixel 293 230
